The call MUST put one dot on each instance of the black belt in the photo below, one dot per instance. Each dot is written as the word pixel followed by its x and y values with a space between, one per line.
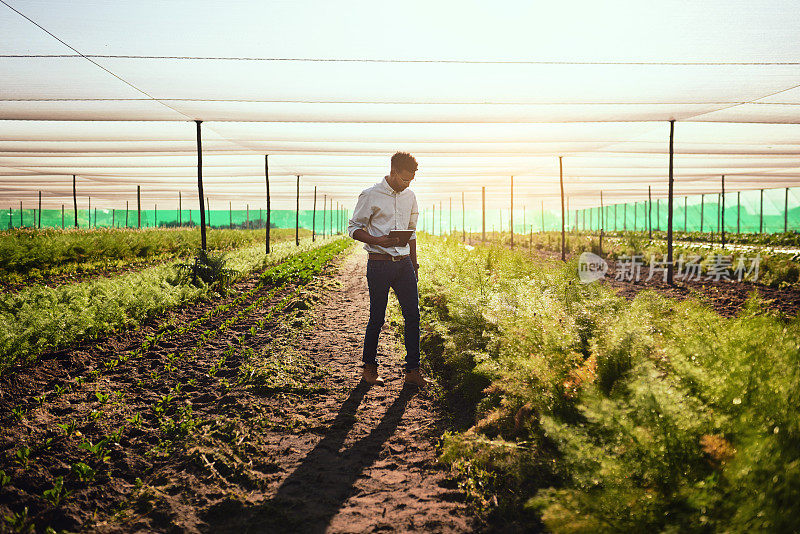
pixel 386 257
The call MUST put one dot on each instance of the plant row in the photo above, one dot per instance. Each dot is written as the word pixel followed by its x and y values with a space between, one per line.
pixel 31 256
pixel 41 318
pixel 592 413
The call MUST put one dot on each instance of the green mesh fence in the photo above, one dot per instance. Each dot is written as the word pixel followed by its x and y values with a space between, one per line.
pixel 120 218
pixel 760 211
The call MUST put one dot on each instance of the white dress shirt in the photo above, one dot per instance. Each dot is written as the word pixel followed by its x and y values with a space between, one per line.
pixel 379 210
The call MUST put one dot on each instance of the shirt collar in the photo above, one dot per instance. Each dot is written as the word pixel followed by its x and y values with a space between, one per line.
pixel 386 187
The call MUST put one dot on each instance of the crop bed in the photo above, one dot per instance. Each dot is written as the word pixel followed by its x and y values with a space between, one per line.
pixel 88 434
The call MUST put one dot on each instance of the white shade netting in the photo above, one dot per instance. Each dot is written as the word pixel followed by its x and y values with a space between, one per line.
pixel 110 92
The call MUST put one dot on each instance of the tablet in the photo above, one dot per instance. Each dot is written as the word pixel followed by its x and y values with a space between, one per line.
pixel 403 235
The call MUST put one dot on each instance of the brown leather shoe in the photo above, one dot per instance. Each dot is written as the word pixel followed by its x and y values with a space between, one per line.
pixel 415 378
pixel 370 375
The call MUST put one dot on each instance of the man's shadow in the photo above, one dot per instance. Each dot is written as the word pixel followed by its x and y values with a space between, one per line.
pixel 310 496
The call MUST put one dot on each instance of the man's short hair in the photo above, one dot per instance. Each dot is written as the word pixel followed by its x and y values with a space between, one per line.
pixel 403 161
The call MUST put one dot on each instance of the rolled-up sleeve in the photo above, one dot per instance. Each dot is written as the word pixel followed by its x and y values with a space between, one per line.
pixel 362 213
pixel 412 222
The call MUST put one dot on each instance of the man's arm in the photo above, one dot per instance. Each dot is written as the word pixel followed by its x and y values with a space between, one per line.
pixel 361 217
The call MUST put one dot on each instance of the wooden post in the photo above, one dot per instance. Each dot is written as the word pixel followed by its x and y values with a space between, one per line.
pixel 511 224
pixel 563 227
pixel 722 226
pixel 40 209
pixel 463 219
pixel 450 216
pixel 601 221
pixel 542 216
pixel 314 217
pixel 702 209
pixel 139 207
pixel 761 214
pixel 180 210
pixel 324 207
pixel 483 213
pixel 75 200
pixel 649 213
pixel 200 186
pixel 269 210
pixel 670 268
pixel 738 209
pixel 785 212
pixel 297 214
pixel 440 217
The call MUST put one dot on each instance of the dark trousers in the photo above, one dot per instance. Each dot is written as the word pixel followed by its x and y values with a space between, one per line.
pixel 400 276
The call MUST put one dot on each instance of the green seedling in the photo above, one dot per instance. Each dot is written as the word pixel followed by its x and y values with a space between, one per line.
pixel 19 413
pixel 136 420
pixel 69 427
pixel 80 380
pixel 4 478
pixel 98 450
pixel 19 521
pixel 82 472
pixel 102 397
pixel 57 494
pixel 22 456
pixel 95 414
pixel 46 445
pixel 40 399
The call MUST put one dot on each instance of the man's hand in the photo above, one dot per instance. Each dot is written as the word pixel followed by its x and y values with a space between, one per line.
pixel 381 241
pixel 386 241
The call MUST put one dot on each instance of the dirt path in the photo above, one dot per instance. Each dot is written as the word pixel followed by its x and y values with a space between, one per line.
pixel 371 466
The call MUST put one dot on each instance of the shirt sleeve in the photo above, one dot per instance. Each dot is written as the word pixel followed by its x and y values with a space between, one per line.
pixel 412 222
pixel 362 214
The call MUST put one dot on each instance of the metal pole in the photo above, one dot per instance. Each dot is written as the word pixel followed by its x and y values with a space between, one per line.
pixel 512 213
pixel 440 217
pixel 685 212
pixel 75 200
pixel 738 209
pixel 180 209
pixel 89 213
pixel 40 209
pixel 200 186
pixel 208 211
pixel 230 215
pixel 324 207
pixel 601 221
pixel 247 216
pixel 297 214
pixel 269 210
pixel 155 216
pixel 21 222
pixel 450 217
pixel 314 217
pixel 139 206
pixel 670 269
pixel 113 217
pixel 483 213
pixel 563 227
pixel 126 214
pixel 761 214
pixel 62 217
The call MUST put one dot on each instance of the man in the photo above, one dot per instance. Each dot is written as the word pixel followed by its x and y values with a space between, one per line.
pixel 386 206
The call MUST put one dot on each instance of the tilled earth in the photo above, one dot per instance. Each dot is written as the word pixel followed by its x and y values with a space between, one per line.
pixel 252 421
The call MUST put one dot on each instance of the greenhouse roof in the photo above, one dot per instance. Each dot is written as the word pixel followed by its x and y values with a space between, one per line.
pixel 477 91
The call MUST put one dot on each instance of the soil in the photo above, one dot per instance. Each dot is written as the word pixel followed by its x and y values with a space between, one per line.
pixel 264 426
